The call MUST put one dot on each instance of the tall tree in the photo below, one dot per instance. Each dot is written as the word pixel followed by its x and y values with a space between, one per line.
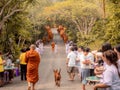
pixel 9 7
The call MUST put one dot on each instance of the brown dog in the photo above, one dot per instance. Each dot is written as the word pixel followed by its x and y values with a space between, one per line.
pixel 57 77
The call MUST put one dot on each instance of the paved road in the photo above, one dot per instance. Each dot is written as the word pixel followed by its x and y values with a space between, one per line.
pixel 50 61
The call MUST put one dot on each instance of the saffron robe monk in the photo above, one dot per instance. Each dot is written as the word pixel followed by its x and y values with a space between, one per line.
pixel 32 59
pixel 53 46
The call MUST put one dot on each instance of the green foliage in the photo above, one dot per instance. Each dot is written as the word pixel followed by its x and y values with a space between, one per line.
pixel 113 27
pixel 15 25
pixel 98 30
pixel 23 22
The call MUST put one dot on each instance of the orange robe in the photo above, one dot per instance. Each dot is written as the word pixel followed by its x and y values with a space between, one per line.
pixel 53 46
pixel 32 59
pixel 65 38
pixel 50 34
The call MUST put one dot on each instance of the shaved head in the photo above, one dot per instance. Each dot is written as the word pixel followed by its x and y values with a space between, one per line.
pixel 32 47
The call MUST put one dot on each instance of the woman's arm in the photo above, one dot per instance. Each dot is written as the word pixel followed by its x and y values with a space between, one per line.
pixel 97 72
pixel 100 86
pixel 67 60
pixel 3 62
pixel 87 62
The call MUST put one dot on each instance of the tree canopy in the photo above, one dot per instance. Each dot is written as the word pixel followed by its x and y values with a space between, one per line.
pixel 87 22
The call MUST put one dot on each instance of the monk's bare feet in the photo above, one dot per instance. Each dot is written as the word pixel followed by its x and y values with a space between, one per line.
pixel 71 79
pixel 29 88
pixel 33 89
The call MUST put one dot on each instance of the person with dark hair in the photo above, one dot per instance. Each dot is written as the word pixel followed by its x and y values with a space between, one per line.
pixel 75 49
pixel 71 61
pixel 69 47
pixel 106 46
pixel 86 60
pixel 81 47
pixel 23 64
pixel 117 50
pixel 27 49
pixel 111 73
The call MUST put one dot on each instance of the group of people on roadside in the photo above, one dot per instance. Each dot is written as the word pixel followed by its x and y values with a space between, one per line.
pixel 6 62
pixel 104 62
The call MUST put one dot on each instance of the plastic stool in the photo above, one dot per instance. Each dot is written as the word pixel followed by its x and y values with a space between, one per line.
pixel 17 72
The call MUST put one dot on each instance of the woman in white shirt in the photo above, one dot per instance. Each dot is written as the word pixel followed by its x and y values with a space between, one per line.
pixel 111 73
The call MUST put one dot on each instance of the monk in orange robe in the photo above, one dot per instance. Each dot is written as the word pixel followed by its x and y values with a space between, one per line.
pixel 65 38
pixel 32 59
pixel 53 46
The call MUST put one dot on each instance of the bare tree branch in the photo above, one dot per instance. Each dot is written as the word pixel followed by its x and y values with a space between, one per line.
pixel 17 10
pixel 5 7
pixel 92 22
pixel 11 11
pixel 78 26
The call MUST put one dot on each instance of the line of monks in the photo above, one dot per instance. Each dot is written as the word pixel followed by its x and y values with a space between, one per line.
pixel 49 37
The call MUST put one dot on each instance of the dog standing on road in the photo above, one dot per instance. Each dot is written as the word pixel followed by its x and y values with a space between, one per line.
pixel 57 77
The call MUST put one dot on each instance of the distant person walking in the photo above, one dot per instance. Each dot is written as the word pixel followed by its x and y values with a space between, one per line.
pixel 32 60
pixel 53 46
pixel 56 48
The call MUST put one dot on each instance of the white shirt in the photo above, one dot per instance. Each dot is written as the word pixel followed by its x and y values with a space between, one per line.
pixel 72 59
pixel 9 62
pixel 88 57
pixel 37 50
pixel 67 47
pixel 79 54
pixel 110 75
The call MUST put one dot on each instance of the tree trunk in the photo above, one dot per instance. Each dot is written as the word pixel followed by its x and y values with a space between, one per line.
pixel 1 26
pixel 23 42
pixel 19 41
pixel 104 13
pixel 92 22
